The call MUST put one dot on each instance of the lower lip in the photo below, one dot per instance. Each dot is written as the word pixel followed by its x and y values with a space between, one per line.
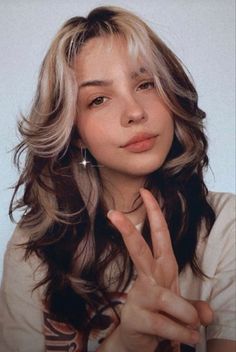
pixel 141 146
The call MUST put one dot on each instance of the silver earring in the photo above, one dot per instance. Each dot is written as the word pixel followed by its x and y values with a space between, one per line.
pixel 84 161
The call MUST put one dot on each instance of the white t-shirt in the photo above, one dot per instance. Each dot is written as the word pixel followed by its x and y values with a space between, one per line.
pixel 24 322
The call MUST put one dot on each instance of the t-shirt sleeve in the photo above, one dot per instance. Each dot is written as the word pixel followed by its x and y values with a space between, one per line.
pixel 21 318
pixel 223 293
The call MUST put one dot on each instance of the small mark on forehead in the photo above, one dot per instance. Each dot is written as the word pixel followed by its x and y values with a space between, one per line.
pixel 135 74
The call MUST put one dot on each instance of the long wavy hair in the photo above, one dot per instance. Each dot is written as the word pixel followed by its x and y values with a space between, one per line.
pixel 63 207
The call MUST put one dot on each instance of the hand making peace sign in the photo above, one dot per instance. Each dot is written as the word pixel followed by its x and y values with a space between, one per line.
pixel 154 309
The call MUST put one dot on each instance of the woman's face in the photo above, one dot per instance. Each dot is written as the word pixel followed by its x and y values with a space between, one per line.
pixel 121 119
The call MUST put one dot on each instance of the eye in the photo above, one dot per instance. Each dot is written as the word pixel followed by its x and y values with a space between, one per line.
pixel 146 85
pixel 97 101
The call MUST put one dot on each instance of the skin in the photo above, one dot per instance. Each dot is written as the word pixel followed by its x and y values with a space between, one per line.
pixel 125 103
pixel 154 298
pixel 118 110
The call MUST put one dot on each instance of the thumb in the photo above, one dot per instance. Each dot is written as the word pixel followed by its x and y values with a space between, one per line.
pixel 204 310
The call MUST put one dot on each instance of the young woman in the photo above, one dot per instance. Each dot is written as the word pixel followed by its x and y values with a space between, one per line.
pixel 120 247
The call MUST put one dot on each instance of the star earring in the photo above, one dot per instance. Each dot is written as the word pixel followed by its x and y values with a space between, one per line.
pixel 84 162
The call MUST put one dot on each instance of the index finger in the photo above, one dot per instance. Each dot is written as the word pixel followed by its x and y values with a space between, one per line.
pixel 136 245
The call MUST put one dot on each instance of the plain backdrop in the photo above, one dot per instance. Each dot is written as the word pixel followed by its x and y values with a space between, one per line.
pixel 200 32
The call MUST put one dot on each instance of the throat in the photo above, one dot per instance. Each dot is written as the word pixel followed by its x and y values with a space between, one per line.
pixel 125 197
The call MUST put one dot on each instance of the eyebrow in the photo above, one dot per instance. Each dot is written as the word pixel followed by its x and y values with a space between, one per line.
pixel 96 83
pixel 100 83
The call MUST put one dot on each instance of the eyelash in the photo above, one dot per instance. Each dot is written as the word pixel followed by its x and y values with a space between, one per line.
pixel 93 102
pixel 148 82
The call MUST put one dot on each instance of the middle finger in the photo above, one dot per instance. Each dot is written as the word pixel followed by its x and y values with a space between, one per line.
pixel 162 246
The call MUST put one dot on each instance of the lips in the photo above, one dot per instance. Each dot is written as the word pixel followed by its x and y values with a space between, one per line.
pixel 140 143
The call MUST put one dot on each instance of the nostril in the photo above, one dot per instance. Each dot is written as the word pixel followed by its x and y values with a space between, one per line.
pixel 133 120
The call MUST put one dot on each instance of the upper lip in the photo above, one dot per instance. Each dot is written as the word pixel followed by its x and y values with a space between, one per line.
pixel 139 138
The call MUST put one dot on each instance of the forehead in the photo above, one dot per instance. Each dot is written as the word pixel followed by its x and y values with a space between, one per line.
pixel 103 56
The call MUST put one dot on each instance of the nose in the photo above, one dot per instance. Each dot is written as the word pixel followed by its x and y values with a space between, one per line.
pixel 133 113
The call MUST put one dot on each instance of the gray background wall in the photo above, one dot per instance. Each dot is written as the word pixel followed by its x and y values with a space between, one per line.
pixel 201 32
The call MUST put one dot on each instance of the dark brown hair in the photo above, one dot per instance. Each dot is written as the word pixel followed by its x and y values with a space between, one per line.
pixel 64 210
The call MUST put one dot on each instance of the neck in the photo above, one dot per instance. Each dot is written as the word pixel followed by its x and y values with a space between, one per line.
pixel 122 193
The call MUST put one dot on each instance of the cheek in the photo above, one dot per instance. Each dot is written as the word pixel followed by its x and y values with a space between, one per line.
pixel 167 130
pixel 165 121
pixel 169 134
pixel 86 130
pixel 171 127
pixel 94 137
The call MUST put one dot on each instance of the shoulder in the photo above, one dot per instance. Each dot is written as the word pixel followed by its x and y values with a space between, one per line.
pixel 18 272
pixel 222 203
pixel 217 249
pixel 218 262
pixel 15 251
pixel 21 318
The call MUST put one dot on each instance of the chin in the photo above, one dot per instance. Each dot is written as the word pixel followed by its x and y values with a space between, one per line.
pixel 145 170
